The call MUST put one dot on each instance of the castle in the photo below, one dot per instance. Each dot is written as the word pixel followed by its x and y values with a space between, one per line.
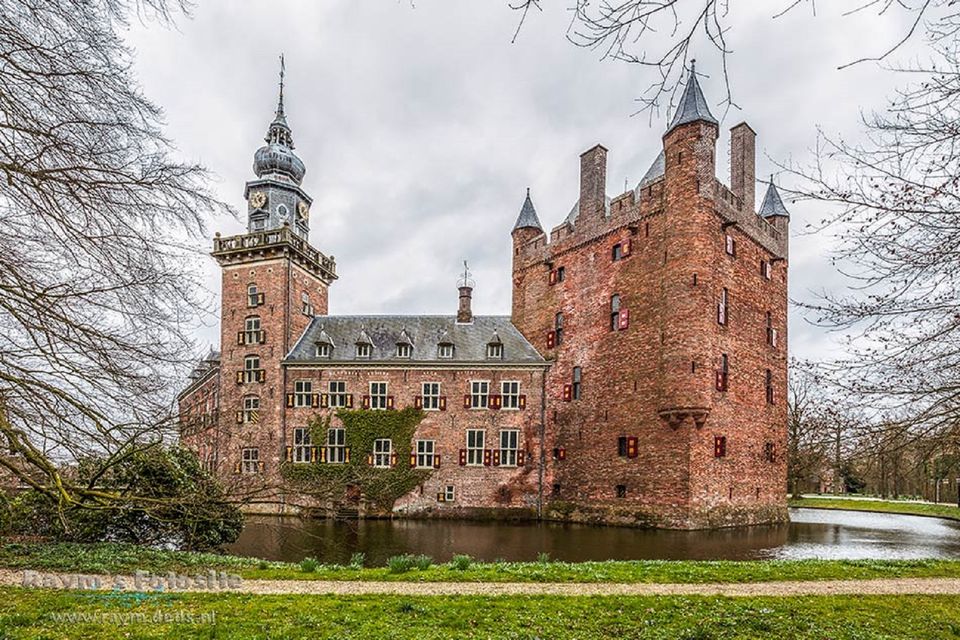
pixel 640 378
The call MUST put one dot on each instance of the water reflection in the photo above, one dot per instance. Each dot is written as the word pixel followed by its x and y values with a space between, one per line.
pixel 811 534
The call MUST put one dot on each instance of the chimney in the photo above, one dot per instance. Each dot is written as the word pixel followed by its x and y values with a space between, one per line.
pixel 743 165
pixel 593 182
pixel 465 285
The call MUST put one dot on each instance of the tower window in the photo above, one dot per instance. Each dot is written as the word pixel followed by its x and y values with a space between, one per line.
pixel 723 372
pixel 769 386
pixel 251 331
pixel 251 410
pixel 621 491
pixel 771 332
pixel 250 458
pixel 617 252
pixel 719 446
pixel 254 297
pixel 561 274
pixel 306 307
pixel 577 380
pixel 723 307
pixel 730 245
pixel 558 329
pixel 614 312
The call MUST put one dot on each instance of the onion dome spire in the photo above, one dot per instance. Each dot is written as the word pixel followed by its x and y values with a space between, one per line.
pixel 277 157
pixel 528 216
pixel 693 106
pixel 773 203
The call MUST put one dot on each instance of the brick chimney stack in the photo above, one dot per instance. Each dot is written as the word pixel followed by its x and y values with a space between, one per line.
pixel 465 286
pixel 593 182
pixel 743 165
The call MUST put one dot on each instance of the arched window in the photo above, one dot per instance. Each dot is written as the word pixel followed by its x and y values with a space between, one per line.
pixel 614 311
pixel 558 328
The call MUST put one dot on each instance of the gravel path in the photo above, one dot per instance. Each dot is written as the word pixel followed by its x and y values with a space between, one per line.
pixel 896 586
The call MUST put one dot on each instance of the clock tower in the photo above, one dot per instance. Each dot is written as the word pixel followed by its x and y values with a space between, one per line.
pixel 275 197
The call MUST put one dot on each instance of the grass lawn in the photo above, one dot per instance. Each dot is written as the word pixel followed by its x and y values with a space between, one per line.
pixel 885 506
pixel 124 558
pixel 34 614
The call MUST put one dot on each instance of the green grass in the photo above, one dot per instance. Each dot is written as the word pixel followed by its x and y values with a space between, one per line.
pixel 26 614
pixel 122 558
pixel 882 506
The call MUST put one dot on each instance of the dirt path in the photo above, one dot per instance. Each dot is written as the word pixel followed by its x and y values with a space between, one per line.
pixel 896 586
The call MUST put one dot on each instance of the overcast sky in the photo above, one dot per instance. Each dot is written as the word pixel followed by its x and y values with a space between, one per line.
pixel 421 127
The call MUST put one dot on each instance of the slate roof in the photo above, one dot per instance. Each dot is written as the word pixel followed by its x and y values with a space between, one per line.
pixel 424 332
pixel 528 215
pixel 693 106
pixel 772 204
pixel 655 172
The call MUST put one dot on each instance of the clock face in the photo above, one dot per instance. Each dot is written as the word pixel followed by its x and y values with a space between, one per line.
pixel 303 209
pixel 258 199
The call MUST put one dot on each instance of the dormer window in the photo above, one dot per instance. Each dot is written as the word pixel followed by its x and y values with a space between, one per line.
pixel 363 350
pixel 324 350
pixel 495 351
pixel 404 350
pixel 444 350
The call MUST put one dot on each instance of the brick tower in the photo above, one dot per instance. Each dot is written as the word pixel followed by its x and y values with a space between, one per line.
pixel 664 312
pixel 273 284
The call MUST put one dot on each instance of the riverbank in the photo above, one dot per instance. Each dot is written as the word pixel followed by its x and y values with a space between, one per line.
pixel 948 511
pixel 30 614
pixel 109 558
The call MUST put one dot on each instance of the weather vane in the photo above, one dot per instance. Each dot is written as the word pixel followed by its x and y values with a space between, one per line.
pixel 466 280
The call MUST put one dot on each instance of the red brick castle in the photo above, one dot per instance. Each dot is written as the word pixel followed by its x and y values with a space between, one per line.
pixel 639 379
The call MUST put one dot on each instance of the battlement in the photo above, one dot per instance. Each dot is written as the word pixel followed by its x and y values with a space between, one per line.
pixel 260 245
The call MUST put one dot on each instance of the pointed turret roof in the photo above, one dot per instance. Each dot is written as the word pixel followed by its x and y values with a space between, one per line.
pixel 772 203
pixel 528 216
pixel 692 106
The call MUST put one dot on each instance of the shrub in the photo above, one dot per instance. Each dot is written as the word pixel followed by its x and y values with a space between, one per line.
pixel 543 557
pixel 263 565
pixel 423 562
pixel 356 560
pixel 461 562
pixel 401 564
pixel 309 565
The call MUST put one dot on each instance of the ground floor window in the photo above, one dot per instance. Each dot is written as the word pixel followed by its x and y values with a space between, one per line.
pixel 509 440
pixel 301 444
pixel 382 451
pixel 250 460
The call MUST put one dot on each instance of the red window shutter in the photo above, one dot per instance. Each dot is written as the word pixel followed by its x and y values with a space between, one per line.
pixel 551 339
pixel 236 468
pixel 623 321
pixel 632 448
pixel 240 336
pixel 486 457
pixel 413 459
pixel 289 399
pixel 496 457
pixel 324 400
pixel 314 400
pixel 239 417
pixel 561 453
pixel 466 401
pixel 443 403
pixel 494 401
pixel 522 402
pixel 625 248
pixel 440 496
pixel 721 381
pixel 239 377
pixel 350 401
pixel 261 298
pixel 418 402
pixel 370 459
pixel 553 276
pixel 288 455
pixel 261 375
pixel 567 392
pixel 719 446
pixel 313 454
pixel 520 458
pixel 323 454
pixel 346 457
pixel 463 457
pixel 365 402
pixel 393 459
pixel 262 336
pixel 389 402
pixel 436 461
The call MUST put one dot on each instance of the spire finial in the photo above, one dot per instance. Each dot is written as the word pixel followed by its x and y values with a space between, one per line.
pixel 465 279
pixel 280 102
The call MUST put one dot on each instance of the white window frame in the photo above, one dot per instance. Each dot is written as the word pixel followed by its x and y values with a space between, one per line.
pixel 301 445
pixel 404 350
pixel 251 409
pixel 303 393
pixel 251 330
pixel 476 439
pixel 494 351
pixel 364 350
pixel 253 296
pixel 307 308
pixel 430 396
pixel 324 350
pixel 254 360
pixel 378 399
pixel 336 394
pixel 510 395
pixel 250 460
pixel 509 446
pixel 336 445
pixel 445 351
pixel 730 245
pixel 382 453
pixel 426 450
pixel 449 493
pixel 479 394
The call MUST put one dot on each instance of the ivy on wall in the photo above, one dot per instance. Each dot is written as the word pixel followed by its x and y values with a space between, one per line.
pixel 382 487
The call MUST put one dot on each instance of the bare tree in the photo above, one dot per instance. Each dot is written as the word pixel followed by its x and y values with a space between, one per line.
pixel 98 220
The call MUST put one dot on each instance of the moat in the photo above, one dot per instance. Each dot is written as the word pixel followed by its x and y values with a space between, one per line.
pixel 811 534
